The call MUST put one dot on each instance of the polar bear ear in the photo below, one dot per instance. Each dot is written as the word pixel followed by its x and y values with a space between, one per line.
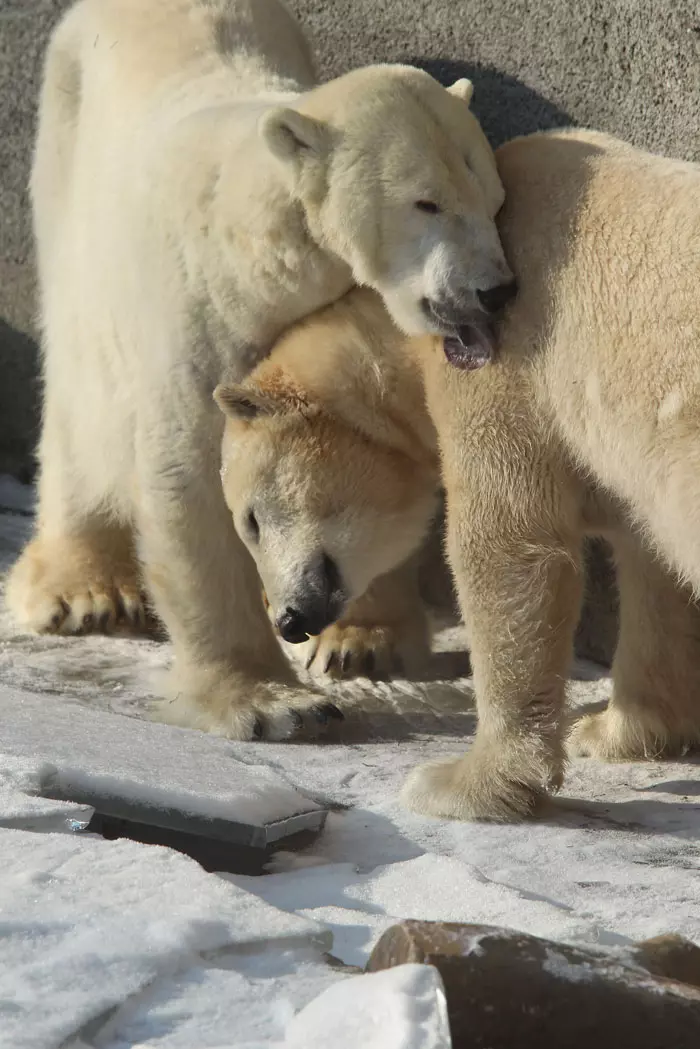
pixel 289 134
pixel 243 402
pixel 463 89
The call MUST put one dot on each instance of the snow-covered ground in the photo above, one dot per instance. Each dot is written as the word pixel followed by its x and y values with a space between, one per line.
pixel 109 945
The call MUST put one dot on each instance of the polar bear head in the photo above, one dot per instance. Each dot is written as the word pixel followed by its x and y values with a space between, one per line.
pixel 321 509
pixel 397 179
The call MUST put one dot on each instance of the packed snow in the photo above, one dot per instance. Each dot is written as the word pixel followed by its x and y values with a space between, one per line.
pixel 113 945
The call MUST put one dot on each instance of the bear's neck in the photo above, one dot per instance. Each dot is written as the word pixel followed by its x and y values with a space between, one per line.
pixel 261 269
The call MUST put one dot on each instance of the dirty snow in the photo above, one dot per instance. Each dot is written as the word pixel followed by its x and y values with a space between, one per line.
pixel 116 945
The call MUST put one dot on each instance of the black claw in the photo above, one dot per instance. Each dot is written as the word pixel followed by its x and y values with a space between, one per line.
pixel 103 622
pixel 330 661
pixel 88 620
pixel 347 660
pixel 297 719
pixel 258 729
pixel 57 620
pixel 370 663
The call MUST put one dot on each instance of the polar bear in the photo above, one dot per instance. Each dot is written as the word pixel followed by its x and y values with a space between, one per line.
pixel 194 193
pixel 330 468
pixel 586 423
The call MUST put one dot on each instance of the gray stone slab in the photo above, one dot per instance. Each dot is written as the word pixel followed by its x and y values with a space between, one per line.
pixel 154 775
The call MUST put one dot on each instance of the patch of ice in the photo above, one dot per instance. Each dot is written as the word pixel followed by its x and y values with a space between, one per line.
pixel 400 1008
pixel 242 999
pixel 16 496
pixel 558 965
pixel 358 907
pixel 87 923
pixel 21 808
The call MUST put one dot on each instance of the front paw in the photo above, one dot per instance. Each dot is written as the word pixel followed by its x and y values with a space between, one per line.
pixel 238 706
pixel 481 786
pixel 353 651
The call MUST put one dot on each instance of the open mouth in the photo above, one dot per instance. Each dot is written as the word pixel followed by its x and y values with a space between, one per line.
pixel 472 345
pixel 468 344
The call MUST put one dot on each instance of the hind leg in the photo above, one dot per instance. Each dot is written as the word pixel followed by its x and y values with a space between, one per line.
pixel 655 707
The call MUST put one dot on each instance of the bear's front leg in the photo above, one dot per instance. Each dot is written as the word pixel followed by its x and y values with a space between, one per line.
pixel 514 545
pixel 520 599
pixel 654 711
pixel 229 676
pixel 384 633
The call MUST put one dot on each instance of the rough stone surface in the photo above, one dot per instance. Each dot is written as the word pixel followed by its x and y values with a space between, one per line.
pixel 670 956
pixel 502 985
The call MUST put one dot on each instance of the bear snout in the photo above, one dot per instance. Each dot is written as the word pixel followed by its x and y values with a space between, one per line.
pixel 316 602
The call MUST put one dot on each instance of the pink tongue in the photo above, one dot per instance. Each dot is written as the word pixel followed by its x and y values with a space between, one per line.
pixel 471 348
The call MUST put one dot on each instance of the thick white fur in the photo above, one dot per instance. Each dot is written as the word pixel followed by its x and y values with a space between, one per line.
pixel 193 195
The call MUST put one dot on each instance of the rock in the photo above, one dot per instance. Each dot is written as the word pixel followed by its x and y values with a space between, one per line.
pixel 670 956
pixel 506 988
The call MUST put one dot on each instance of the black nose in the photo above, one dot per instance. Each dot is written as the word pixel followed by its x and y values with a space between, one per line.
pixel 494 299
pixel 315 604
pixel 293 626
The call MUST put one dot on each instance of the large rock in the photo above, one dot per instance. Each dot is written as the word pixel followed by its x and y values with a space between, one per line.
pixel 506 988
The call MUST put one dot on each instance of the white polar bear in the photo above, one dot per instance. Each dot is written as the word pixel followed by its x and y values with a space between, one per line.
pixel 193 195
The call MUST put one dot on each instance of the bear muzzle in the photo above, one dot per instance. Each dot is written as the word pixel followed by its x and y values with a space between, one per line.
pixel 318 600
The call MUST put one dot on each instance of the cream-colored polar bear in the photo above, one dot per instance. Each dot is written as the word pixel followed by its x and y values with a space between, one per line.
pixel 588 422
pixel 194 193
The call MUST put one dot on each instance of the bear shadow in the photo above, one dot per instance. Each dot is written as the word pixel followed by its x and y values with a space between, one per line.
pixel 647 817
pixel 386 711
pixel 19 402
pixel 504 105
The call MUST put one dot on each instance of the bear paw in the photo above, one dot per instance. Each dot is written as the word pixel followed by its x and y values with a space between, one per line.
pixel 76 586
pixel 353 651
pixel 237 706
pixel 612 735
pixel 473 788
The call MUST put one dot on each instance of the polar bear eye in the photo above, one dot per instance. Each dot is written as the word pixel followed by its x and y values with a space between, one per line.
pixel 253 526
pixel 428 206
